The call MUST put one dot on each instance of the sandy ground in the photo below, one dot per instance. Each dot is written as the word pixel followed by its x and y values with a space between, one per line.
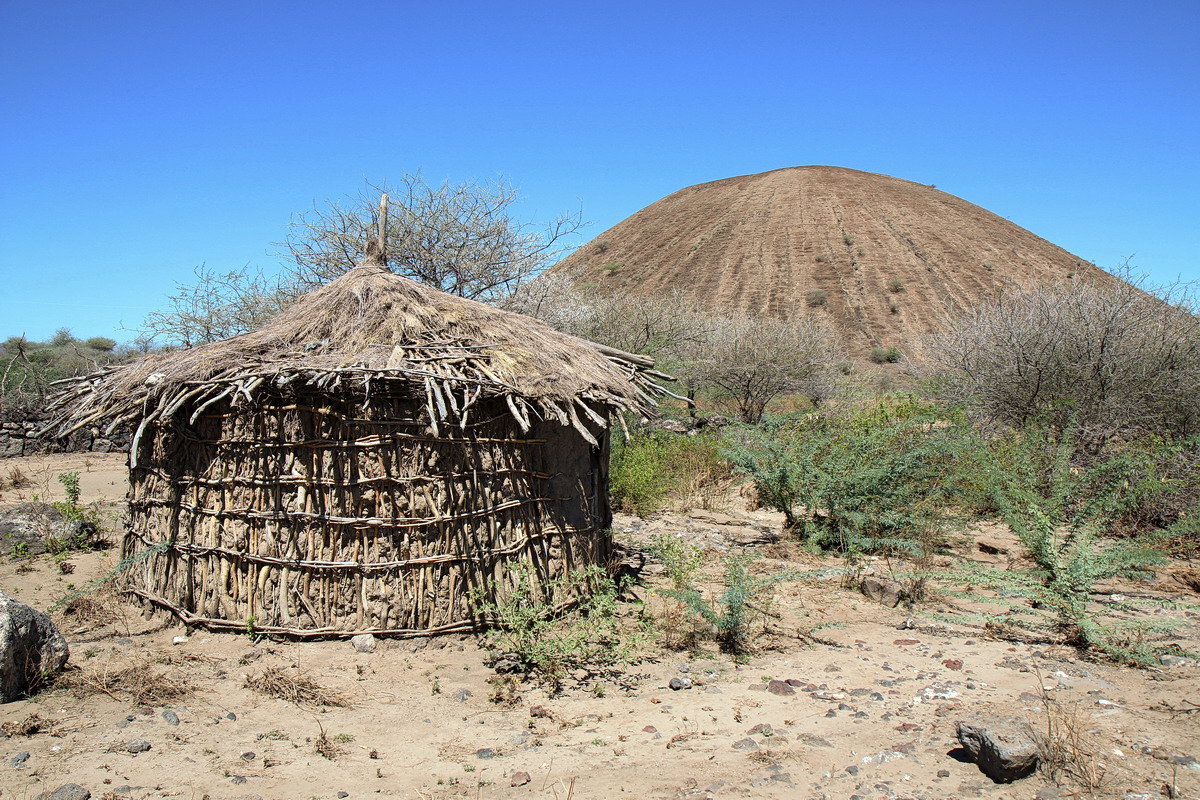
pixel 873 716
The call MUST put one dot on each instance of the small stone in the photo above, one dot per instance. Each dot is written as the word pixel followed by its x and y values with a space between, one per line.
pixel 953 663
pixel 780 688
pixel 943 773
pixel 179 640
pixel 363 643
pixel 137 746
pixel 485 752
pixel 343 794
pixel 852 770
pixel 745 744
pixel 650 729
pixel 905 642
pixel 813 740
pixel 1175 661
pixel 462 694
pixel 680 683
pixel 238 779
pixel 232 717
pixel 519 778
pixel 68 791
pixel 170 717
pixel 794 682
pixel 249 756
pixel 20 758
pixel 762 729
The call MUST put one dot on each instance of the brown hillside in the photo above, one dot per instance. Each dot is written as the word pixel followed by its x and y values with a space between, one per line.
pixel 896 259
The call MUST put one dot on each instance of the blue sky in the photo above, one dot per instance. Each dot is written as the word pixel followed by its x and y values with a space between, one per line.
pixel 140 139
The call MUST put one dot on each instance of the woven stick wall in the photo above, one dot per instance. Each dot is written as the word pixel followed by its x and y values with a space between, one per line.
pixel 313 514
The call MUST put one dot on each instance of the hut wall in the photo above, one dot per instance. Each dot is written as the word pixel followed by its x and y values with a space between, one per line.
pixel 324 515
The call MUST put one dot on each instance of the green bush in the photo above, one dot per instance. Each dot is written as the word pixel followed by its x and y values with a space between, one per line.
pixel 876 479
pixel 885 355
pixel 654 467
pixel 680 558
pixel 895 286
pixel 730 615
pixel 816 298
pixel 548 641
pixel 1057 512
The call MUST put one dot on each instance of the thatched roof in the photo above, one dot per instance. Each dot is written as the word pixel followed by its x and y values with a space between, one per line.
pixel 369 326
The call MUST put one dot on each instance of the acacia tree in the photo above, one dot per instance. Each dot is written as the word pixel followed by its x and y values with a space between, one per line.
pixel 218 305
pixel 665 328
pixel 1096 360
pixel 464 239
pixel 752 360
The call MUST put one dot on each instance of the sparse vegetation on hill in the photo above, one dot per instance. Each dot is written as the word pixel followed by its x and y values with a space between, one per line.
pixel 770 238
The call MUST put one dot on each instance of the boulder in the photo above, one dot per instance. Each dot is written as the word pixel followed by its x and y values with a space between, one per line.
pixel 28 528
pixel 31 649
pixel 1002 746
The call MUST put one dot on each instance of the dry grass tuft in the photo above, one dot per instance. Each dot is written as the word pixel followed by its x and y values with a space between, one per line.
pixel 101 607
pixel 1069 753
pixel 140 682
pixel 326 748
pixel 16 479
pixel 29 726
pixel 295 687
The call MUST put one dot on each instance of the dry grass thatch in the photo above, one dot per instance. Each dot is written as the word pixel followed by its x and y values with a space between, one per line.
pixel 371 326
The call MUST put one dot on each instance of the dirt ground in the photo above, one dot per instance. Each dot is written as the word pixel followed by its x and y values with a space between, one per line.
pixel 872 715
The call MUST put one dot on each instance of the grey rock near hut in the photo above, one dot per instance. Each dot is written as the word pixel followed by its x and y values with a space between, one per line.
pixel 137 746
pixel 882 590
pixel 68 791
pixel 28 528
pixel 680 683
pixel 170 717
pixel 363 643
pixel 31 649
pixel 1003 747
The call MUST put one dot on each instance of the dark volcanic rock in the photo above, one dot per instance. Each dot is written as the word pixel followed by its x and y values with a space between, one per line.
pixel 68 791
pixel 1003 747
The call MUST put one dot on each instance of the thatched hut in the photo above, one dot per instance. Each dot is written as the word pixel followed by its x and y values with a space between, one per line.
pixel 375 459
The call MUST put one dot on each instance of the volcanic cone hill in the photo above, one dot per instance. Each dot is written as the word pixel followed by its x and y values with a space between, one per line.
pixel 888 260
